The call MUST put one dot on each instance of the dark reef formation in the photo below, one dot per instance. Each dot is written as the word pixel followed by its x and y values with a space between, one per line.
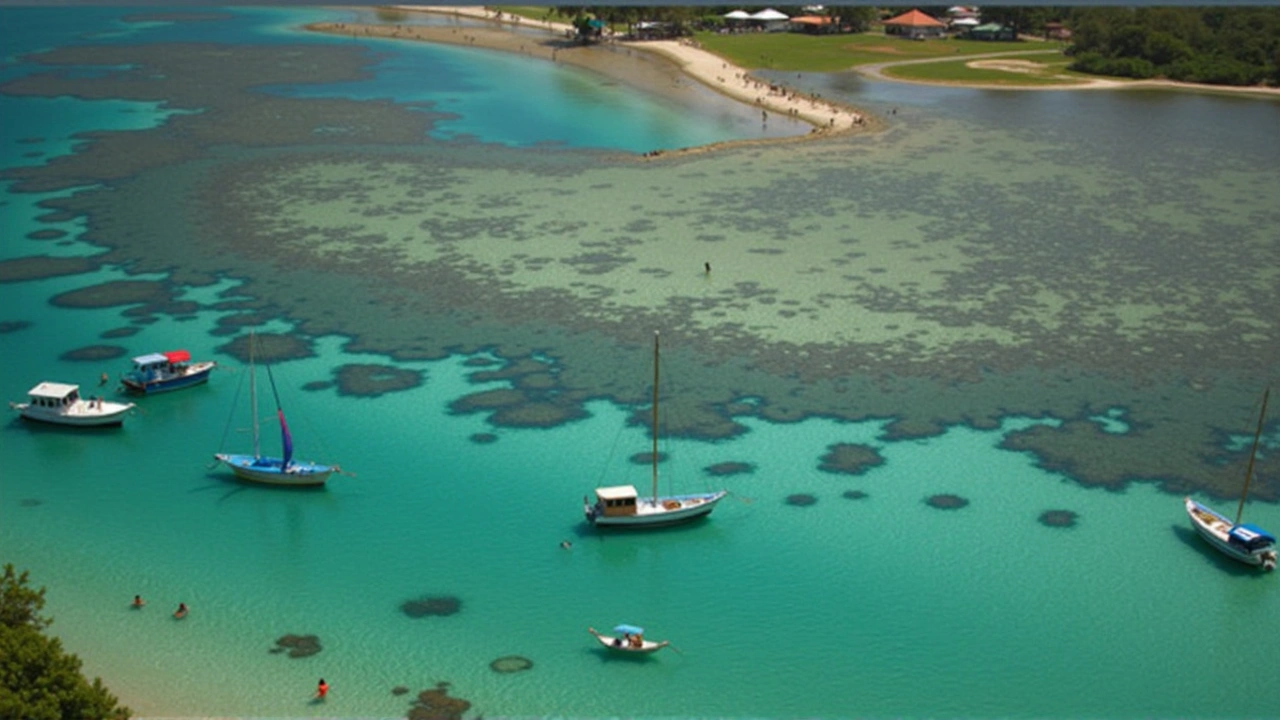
pixel 434 605
pixel 298 646
pixel 946 502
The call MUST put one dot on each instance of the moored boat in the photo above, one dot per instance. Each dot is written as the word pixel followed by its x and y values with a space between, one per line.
pixel 283 470
pixel 629 639
pixel 621 505
pixel 60 403
pixel 158 372
pixel 1249 544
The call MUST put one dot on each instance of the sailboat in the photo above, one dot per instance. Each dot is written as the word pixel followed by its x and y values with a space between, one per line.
pixel 272 470
pixel 621 505
pixel 1249 544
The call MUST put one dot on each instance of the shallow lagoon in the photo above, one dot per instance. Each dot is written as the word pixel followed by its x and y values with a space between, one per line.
pixel 870 607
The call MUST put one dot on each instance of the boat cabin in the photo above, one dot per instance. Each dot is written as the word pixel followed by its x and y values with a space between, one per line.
pixel 617 500
pixel 158 362
pixel 54 395
pixel 1250 537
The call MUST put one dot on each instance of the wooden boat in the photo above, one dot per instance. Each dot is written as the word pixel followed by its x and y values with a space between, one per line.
pixel 159 372
pixel 1249 544
pixel 283 470
pixel 621 505
pixel 629 639
pixel 60 403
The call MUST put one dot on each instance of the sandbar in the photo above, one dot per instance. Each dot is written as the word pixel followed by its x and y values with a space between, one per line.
pixel 651 65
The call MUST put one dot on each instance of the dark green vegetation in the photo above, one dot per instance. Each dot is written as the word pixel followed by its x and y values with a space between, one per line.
pixel 38 679
pixel 1215 45
pixel 1212 45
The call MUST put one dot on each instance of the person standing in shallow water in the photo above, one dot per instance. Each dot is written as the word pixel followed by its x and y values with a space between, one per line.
pixel 322 690
pixel 707 267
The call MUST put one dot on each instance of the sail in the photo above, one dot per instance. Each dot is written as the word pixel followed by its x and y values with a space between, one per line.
pixel 287 439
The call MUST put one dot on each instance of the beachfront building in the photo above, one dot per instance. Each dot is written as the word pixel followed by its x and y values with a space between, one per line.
pixel 814 24
pixel 993 32
pixel 915 25
pixel 770 20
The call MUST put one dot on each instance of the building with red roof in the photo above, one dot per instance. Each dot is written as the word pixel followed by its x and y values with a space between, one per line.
pixel 915 25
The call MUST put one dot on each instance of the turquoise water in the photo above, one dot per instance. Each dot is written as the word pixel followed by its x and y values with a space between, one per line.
pixel 876 607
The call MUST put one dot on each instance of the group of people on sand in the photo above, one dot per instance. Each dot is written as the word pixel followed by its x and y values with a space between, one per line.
pixel 138 603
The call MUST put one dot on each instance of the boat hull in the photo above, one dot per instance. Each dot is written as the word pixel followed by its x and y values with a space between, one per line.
pixel 80 414
pixel 616 644
pixel 272 471
pixel 196 374
pixel 1215 529
pixel 667 510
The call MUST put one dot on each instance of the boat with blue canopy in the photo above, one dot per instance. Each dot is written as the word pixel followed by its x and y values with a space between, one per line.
pixel 628 639
pixel 283 470
pixel 1247 543
pixel 159 372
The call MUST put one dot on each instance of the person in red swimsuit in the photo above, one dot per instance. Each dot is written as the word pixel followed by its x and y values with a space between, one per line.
pixel 322 689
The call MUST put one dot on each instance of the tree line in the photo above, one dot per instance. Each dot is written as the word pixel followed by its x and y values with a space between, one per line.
pixel 1215 45
pixel 39 680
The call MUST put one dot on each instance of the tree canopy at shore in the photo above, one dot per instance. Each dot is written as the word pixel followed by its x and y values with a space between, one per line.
pixel 38 679
pixel 1213 45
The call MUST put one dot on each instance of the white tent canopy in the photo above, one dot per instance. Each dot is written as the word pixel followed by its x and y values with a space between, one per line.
pixel 768 14
pixel 737 15
pixel 963 22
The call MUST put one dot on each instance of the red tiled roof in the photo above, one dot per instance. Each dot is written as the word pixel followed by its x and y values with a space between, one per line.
pixel 914 18
pixel 813 20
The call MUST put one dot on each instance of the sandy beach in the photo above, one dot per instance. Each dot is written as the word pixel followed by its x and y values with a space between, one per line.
pixel 660 66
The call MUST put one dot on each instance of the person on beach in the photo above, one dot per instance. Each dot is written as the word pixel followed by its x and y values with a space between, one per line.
pixel 138 601
pixel 181 612
pixel 322 690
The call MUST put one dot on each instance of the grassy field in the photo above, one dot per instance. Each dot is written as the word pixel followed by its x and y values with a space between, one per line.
pixel 800 52
pixel 830 53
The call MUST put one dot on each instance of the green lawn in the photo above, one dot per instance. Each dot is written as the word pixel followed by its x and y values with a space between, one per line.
pixel 830 53
pixel 1049 70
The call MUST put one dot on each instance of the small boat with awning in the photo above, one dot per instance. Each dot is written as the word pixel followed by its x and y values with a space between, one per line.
pixel 628 639
pixel 61 404
pixel 159 372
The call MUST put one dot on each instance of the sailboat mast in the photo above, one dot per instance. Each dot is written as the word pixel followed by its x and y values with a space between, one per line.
pixel 253 397
pixel 655 416
pixel 1248 474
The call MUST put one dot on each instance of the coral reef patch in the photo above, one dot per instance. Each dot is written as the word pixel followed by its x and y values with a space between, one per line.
pixel 1058 518
pixel 484 438
pixel 510 664
pixel 42 267
pixel 298 646
pixel 368 380
pixel 438 705
pixel 854 495
pixel 433 605
pixel 268 348
pixel 726 469
pixel 850 459
pixel 8 326
pixel 646 458
pixel 94 352
pixel 120 332
pixel 801 499
pixel 148 293
pixel 946 502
